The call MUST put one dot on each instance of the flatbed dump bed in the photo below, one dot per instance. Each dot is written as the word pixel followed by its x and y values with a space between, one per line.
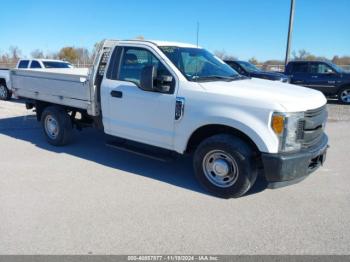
pixel 61 86
pixel 72 87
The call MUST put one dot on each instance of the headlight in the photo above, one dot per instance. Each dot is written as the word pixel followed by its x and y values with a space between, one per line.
pixel 286 127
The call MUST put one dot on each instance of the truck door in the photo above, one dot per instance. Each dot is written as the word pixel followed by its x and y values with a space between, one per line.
pixel 131 112
pixel 299 74
pixel 323 77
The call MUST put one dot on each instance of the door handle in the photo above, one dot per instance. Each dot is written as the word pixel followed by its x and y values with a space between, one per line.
pixel 117 94
pixel 314 76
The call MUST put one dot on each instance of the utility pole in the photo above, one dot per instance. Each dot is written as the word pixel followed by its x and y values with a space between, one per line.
pixel 290 31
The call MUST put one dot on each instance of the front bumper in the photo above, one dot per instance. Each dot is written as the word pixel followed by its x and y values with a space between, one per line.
pixel 284 169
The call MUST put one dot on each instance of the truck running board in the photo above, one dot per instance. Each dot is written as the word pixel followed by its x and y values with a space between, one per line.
pixel 143 150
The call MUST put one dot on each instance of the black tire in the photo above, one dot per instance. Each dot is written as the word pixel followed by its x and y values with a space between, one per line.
pixel 236 149
pixel 5 93
pixel 341 97
pixel 63 133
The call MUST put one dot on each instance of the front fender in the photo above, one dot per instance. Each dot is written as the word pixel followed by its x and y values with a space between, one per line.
pixel 254 123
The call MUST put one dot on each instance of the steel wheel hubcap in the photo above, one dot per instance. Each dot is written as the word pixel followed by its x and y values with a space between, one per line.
pixel 345 95
pixel 51 127
pixel 3 92
pixel 220 168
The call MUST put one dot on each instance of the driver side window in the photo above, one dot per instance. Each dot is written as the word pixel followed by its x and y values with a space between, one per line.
pixel 35 64
pixel 324 69
pixel 134 60
pixel 320 68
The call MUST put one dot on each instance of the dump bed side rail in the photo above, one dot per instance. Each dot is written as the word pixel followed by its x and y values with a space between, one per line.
pixel 96 74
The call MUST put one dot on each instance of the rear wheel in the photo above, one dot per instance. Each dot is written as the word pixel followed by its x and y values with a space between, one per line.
pixel 57 126
pixel 344 95
pixel 225 165
pixel 5 94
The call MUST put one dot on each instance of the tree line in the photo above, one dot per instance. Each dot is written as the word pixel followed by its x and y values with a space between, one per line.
pixel 300 55
pixel 84 57
pixel 75 55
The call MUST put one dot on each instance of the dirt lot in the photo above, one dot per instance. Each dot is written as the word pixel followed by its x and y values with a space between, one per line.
pixel 86 198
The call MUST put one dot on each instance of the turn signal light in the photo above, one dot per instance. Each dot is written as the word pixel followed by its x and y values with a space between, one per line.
pixel 277 124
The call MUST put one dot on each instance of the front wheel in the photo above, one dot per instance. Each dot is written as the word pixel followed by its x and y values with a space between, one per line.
pixel 225 165
pixel 5 94
pixel 344 95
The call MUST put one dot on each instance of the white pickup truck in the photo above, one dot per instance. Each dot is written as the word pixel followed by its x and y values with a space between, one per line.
pixel 166 99
pixel 5 84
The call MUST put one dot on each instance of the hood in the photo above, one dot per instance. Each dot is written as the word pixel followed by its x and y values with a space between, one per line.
pixel 291 98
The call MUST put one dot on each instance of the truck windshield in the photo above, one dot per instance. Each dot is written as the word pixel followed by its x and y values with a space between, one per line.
pixel 338 69
pixel 54 64
pixel 248 67
pixel 199 65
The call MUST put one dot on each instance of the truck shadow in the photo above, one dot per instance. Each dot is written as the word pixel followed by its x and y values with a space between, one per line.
pixel 15 100
pixel 90 145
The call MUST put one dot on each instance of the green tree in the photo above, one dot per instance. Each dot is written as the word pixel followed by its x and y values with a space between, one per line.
pixel 304 55
pixel 69 54
pixel 223 55
pixel 253 61
pixel 301 55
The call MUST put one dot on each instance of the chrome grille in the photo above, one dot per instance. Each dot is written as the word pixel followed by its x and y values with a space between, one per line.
pixel 311 128
pixel 300 130
pixel 316 112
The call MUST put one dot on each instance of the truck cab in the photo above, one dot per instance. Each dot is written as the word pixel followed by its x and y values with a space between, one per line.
pixel 323 76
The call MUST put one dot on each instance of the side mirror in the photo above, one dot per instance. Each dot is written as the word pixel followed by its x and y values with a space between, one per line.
pixel 163 84
pixel 148 75
pixel 329 72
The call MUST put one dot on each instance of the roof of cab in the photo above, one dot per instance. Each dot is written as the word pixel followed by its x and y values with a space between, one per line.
pixel 177 44
pixel 51 60
pixel 43 60
pixel 162 43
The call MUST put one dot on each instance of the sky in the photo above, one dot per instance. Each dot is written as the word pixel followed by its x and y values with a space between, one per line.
pixel 242 28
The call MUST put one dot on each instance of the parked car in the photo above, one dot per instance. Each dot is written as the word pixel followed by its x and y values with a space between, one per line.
pixel 43 63
pixel 167 99
pixel 5 90
pixel 250 70
pixel 326 77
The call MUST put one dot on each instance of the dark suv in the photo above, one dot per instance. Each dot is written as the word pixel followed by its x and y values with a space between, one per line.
pixel 326 77
pixel 250 70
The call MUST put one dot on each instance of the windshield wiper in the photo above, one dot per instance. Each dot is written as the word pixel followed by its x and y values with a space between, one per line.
pixel 214 77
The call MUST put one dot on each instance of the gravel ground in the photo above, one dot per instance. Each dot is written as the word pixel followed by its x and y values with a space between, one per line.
pixel 86 198
pixel 338 112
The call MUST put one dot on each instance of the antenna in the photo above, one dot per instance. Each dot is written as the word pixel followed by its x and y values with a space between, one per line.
pixel 197 33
